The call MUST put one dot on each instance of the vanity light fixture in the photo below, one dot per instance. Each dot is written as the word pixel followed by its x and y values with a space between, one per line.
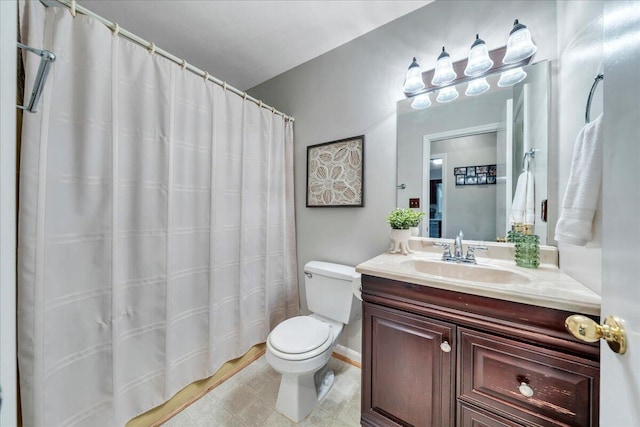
pixel 519 45
pixel 479 61
pixel 511 77
pixel 413 82
pixel 477 87
pixel 421 102
pixel 447 94
pixel 444 70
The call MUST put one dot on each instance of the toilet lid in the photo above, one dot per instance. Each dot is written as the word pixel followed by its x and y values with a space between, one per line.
pixel 300 334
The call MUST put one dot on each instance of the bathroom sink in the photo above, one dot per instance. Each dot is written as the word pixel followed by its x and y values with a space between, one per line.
pixel 467 272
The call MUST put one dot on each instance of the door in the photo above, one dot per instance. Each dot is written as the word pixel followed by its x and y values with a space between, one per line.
pixel 620 374
pixel 8 410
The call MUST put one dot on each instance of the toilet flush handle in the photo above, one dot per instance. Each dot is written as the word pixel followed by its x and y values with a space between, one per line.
pixel 309 275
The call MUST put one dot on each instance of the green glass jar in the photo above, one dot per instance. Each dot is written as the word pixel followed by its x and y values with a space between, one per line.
pixel 528 251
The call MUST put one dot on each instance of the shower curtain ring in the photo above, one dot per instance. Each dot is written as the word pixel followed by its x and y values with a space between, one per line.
pixel 73 8
pixel 152 48
pixel 116 29
pixel 183 64
pixel 206 76
pixel 260 104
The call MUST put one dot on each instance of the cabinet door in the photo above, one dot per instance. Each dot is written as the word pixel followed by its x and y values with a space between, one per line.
pixel 408 375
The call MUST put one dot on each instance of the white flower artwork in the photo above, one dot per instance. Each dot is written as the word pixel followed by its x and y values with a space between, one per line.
pixel 335 173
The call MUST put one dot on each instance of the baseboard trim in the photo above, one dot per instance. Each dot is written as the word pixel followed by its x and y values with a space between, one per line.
pixel 348 355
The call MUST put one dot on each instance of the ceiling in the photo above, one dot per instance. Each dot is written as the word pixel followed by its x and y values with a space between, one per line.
pixel 248 42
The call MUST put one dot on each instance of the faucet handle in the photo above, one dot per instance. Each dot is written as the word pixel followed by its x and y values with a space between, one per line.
pixel 447 250
pixel 471 251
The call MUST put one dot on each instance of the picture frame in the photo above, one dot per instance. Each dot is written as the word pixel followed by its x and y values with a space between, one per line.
pixel 475 175
pixel 335 173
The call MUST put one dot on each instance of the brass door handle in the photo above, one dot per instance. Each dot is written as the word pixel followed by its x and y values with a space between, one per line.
pixel 586 329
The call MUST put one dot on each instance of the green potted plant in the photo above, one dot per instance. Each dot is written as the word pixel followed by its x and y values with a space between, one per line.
pixel 416 217
pixel 401 220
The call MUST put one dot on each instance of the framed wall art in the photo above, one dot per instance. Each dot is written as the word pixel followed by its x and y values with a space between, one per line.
pixel 335 173
pixel 475 175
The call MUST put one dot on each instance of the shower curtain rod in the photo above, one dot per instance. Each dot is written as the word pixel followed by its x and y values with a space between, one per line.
pixel 151 47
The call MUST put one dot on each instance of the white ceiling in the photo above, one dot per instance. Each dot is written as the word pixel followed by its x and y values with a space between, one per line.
pixel 248 42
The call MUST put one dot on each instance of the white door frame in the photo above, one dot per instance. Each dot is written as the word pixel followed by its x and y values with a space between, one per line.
pixel 426 165
pixel 8 371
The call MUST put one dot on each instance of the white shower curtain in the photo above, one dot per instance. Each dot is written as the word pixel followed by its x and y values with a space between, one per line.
pixel 156 227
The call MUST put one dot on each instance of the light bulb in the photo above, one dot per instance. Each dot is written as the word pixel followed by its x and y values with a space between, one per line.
pixel 477 87
pixel 447 94
pixel 444 70
pixel 421 102
pixel 479 61
pixel 511 77
pixel 519 46
pixel 413 83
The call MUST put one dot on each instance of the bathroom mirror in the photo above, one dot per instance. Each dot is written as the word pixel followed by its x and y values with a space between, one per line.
pixel 461 160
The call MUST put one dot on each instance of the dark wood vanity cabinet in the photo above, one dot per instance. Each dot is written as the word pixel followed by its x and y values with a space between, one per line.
pixel 435 358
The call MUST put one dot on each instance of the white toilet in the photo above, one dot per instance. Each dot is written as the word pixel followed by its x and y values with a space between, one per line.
pixel 300 347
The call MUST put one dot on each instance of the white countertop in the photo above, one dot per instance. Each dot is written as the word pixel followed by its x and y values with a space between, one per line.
pixel 548 287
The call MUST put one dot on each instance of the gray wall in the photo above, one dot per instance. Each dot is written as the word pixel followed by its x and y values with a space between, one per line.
pixel 471 208
pixel 353 90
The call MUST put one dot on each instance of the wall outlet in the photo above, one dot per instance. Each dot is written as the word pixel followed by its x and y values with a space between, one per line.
pixel 414 203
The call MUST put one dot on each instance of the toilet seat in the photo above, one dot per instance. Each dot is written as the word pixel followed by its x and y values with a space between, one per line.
pixel 300 338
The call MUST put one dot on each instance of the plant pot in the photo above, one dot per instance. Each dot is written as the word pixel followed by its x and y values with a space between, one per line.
pixel 400 241
pixel 415 231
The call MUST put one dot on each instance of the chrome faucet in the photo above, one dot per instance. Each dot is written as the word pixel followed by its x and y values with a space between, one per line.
pixel 457 256
pixel 457 246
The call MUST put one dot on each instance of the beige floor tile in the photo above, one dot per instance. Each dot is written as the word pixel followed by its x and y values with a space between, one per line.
pixel 214 415
pixel 180 420
pixel 237 399
pixel 278 420
pixel 350 412
pixel 317 418
pixel 334 401
pixel 248 400
pixel 255 413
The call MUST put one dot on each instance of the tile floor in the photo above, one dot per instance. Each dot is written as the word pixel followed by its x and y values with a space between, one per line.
pixel 248 399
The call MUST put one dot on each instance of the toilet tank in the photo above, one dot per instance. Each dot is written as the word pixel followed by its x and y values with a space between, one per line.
pixel 329 289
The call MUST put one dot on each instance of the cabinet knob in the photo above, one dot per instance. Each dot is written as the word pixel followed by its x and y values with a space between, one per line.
pixel 525 390
pixel 445 347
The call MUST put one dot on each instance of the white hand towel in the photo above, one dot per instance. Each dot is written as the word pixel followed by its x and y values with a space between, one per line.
pixel 583 188
pixel 520 205
pixel 530 205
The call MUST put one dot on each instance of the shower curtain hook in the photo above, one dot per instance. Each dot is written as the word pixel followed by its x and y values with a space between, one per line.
pixel 260 104
pixel 183 64
pixel 73 8
pixel 244 95
pixel 224 86
pixel 273 110
pixel 206 76
pixel 116 29
pixel 152 48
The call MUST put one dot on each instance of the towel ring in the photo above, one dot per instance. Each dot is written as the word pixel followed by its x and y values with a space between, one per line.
pixel 587 114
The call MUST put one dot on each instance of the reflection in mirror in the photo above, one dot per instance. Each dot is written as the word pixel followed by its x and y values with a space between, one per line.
pixel 463 158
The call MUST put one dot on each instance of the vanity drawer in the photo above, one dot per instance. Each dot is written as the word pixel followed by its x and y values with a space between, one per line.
pixel 492 369
pixel 469 416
